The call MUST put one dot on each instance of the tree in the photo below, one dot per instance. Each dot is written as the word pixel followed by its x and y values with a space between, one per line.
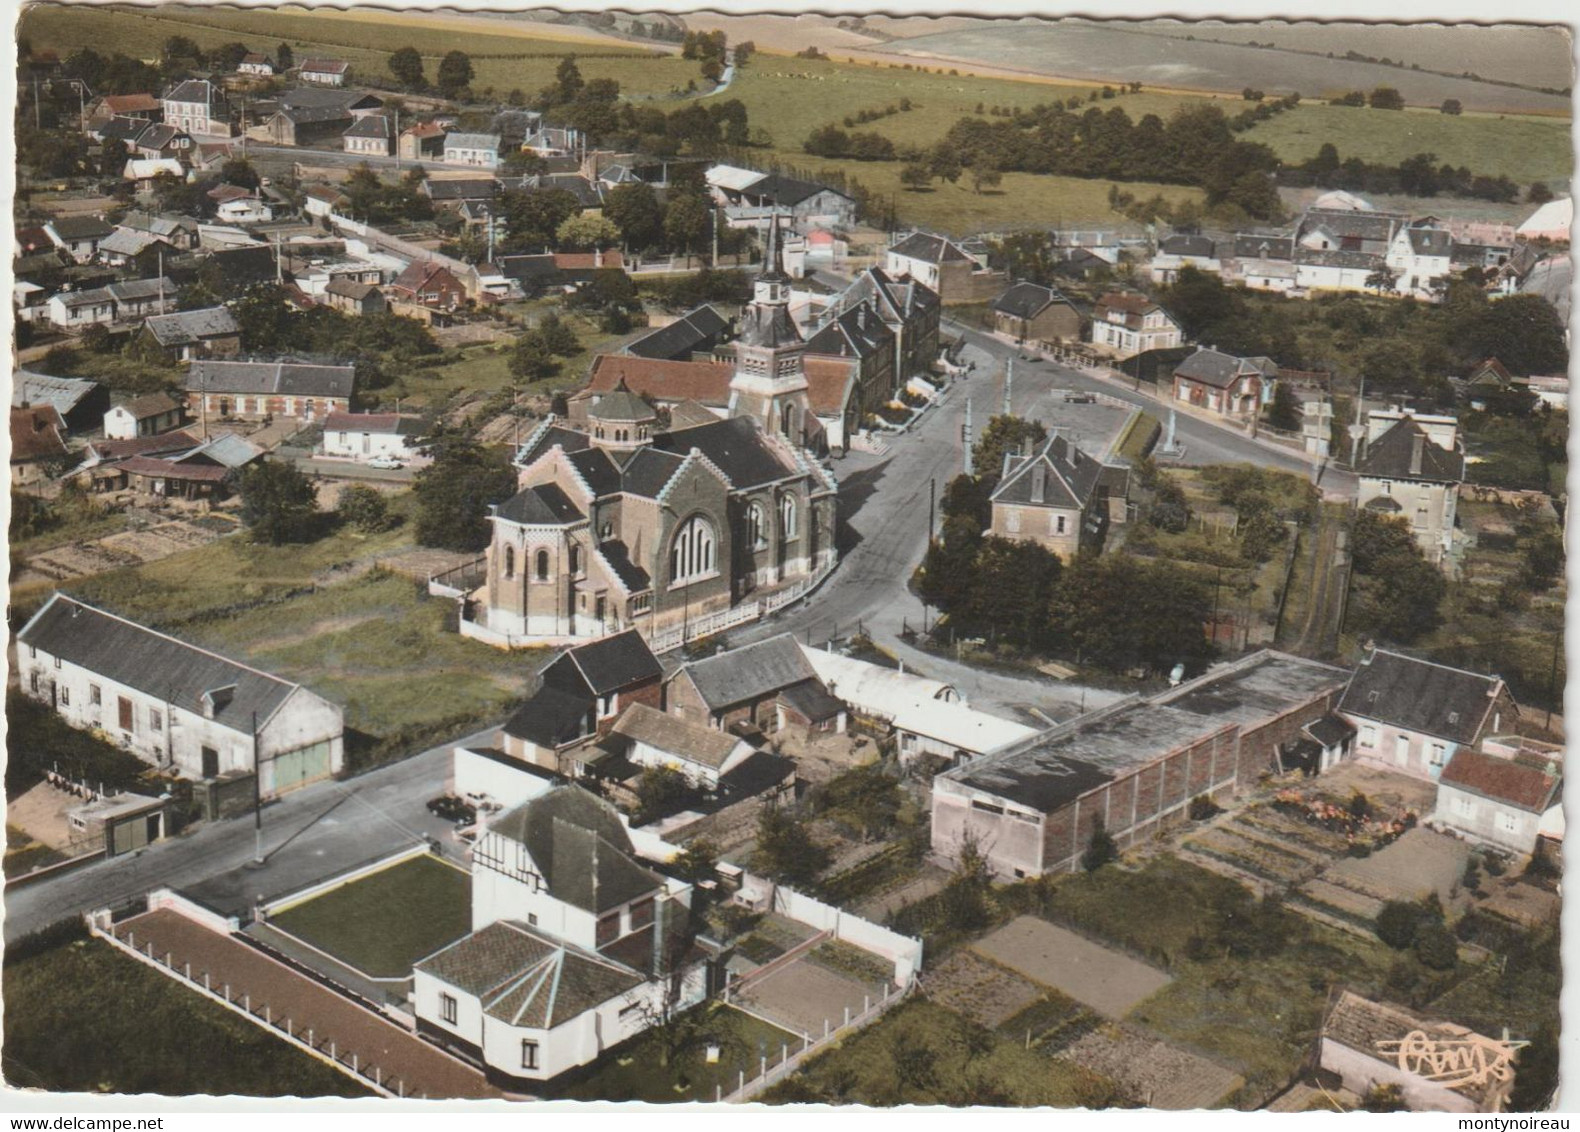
pixel 1451 106
pixel 1382 279
pixel 453 494
pixel 635 210
pixel 1396 593
pixel 455 74
pixel 742 52
pixel 406 65
pixel 1100 850
pixel 986 175
pixel 1538 193
pixel 283 59
pixel 278 503
pixel 239 171
pixel 1523 332
pixel 263 317
pixel 1170 510
pixel 557 335
pixel 365 508
pixel 228 56
pixel 686 223
pixel 916 176
pixel 582 231
pixel 947 573
pixel 568 82
pixel 532 359
pixel 867 797
pixel 659 790
pixel 1436 947
pixel 1386 98
pixel 786 851
pixel 532 218
pixel 697 861
pixel 1397 923
pixel 1003 436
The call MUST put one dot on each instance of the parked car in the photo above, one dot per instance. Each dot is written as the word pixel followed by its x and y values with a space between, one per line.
pixel 385 463
pixel 452 809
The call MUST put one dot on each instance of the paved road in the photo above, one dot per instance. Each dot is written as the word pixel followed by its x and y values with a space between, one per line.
pixel 310 834
pixel 885 502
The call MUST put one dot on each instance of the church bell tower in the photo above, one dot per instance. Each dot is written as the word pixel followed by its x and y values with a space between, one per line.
pixel 770 378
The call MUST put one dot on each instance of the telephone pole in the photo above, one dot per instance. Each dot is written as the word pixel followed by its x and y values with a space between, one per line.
pixel 1009 385
pixel 965 437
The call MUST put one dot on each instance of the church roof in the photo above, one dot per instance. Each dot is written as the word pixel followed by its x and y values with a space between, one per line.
pixel 620 404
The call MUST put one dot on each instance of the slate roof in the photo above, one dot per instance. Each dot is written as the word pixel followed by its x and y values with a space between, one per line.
pixel 239 268
pixel 1330 730
pixel 297 379
pixel 737 447
pixel 768 325
pixel 125 130
pixel 1183 245
pixel 1124 306
pixel 694 330
pixel 1070 476
pixel 1353 223
pixel 1221 370
pixel 534 268
pixel 542 506
pixel 192 90
pixel 701 745
pixel 398 424
pixel 37 433
pixel 748 673
pixel 1253 246
pixel 155 664
pixel 580 848
pixel 306 114
pixel 349 288
pixel 812 700
pixel 471 141
pixel 1431 241
pixel 929 248
pixel 158 135
pixel 306 96
pixel 528 979
pixel 70 228
pixel 1526 784
pixel 788 191
pixel 371 126
pixel 612 663
pixel 134 289
pixel 857 331
pixel 628 573
pixel 1027 300
pixel 551 718
pixel 1392 454
pixel 1417 695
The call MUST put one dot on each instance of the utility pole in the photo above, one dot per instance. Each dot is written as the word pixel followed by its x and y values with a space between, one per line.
pixel 1009 385
pixel 1357 429
pixel 397 141
pixel 257 797
pixel 965 437
pixel 932 501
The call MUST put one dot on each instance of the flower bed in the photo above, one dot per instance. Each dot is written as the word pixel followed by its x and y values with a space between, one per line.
pixel 1362 832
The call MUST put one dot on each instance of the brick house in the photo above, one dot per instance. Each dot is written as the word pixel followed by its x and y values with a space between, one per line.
pixel 429 284
pixel 253 390
pixel 1413 716
pixel 579 695
pixel 1132 768
pixel 1224 384
pixel 767 686
pixel 1030 312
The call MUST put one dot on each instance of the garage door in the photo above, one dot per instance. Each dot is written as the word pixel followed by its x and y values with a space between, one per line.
pixel 301 766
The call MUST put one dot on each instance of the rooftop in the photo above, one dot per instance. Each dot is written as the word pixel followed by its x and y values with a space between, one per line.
pixel 1418 695
pixel 751 672
pixel 1526 782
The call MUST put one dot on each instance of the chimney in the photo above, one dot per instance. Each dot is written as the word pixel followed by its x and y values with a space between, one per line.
pixel 1417 445
pixel 597 257
pixel 1039 483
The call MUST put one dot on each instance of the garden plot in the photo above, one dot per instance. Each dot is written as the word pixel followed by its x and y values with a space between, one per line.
pixel 126 548
pixel 980 989
pixel 1151 1071
pixel 1106 980
pixel 1421 861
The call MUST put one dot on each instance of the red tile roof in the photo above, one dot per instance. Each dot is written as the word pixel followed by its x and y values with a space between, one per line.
pixel 828 380
pixel 1524 782
pixel 122 103
pixel 150 466
pixel 178 440
pixel 704 382
pixel 425 130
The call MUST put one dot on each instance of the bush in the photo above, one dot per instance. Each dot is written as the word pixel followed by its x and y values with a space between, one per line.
pixel 1435 947
pixel 1100 851
pixel 1202 807
pixel 1397 923
pixel 365 508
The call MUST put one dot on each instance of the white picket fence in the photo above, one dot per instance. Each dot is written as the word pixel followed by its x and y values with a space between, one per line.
pixel 706 625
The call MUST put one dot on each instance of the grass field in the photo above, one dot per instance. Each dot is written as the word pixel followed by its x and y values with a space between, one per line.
pixel 383 923
pixel 84 1018
pixel 634 1072
pixel 1523 147
pixel 364 41
pixel 371 642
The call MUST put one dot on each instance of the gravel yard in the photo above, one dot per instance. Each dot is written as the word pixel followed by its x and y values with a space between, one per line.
pixel 1106 980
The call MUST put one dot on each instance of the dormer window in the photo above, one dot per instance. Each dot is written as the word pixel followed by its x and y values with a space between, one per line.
pixel 1371 697
pixel 1453 718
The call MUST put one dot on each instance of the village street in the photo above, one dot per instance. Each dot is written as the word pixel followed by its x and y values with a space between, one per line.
pixel 884 502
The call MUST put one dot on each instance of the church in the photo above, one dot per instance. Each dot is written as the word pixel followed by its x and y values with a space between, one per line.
pixel 676 529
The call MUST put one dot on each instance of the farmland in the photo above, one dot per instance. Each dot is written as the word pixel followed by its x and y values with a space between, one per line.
pixel 514 57
pixel 1106 52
